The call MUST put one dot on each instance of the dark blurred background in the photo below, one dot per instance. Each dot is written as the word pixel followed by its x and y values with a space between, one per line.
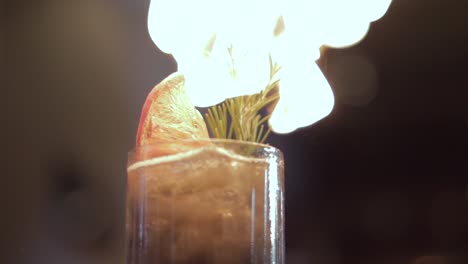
pixel 383 179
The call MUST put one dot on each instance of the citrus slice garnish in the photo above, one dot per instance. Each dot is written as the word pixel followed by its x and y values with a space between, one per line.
pixel 168 121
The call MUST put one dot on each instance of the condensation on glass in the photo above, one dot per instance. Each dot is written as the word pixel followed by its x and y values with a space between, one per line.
pixel 222 203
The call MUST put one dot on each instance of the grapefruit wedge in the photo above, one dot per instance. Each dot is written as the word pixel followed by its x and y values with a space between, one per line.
pixel 168 121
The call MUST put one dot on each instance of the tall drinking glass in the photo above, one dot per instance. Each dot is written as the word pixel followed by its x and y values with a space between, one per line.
pixel 221 203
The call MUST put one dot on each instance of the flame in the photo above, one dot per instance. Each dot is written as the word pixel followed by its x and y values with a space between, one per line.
pixel 200 33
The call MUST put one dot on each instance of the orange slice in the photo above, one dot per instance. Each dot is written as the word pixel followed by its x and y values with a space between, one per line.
pixel 168 118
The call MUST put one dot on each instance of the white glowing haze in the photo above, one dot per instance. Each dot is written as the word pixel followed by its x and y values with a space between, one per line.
pixel 184 27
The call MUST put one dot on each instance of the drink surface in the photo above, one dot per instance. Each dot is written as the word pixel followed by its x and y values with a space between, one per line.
pixel 205 206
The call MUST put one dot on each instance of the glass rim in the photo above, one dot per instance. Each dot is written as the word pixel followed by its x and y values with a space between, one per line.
pixel 213 140
pixel 233 142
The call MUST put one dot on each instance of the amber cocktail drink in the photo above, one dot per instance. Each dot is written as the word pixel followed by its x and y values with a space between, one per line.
pixel 220 203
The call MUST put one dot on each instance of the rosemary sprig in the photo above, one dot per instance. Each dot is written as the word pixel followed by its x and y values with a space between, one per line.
pixel 240 117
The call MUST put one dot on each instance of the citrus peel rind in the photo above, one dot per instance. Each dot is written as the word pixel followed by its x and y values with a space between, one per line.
pixel 168 121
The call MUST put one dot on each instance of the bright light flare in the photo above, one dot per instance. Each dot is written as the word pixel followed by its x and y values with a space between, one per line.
pixel 199 34
pixel 299 107
pixel 180 27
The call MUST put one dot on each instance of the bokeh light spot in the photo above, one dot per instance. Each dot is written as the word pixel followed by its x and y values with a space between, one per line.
pixel 430 260
pixel 353 78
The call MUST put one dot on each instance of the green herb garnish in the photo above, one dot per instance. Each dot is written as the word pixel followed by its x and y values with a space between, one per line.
pixel 241 117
